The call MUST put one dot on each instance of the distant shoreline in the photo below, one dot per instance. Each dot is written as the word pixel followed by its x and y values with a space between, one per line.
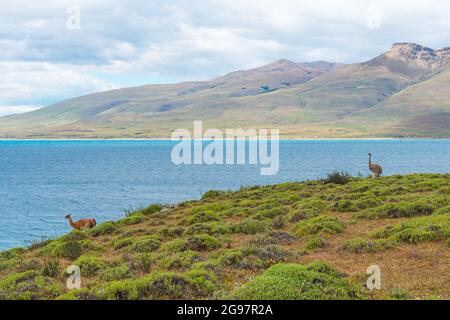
pixel 282 139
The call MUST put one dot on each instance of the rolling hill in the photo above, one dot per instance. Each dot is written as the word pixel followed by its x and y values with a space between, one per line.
pixel 401 93
pixel 293 241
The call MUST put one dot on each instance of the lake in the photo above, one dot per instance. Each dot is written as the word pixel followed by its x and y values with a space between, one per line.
pixel 42 181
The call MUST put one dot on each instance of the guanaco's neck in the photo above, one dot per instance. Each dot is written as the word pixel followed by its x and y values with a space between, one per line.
pixel 71 222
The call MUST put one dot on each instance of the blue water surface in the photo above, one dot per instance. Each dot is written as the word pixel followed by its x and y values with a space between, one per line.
pixel 41 181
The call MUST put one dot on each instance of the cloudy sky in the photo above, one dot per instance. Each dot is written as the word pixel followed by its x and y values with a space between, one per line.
pixel 49 53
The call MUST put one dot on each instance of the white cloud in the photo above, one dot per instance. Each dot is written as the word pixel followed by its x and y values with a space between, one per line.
pixel 28 83
pixel 8 110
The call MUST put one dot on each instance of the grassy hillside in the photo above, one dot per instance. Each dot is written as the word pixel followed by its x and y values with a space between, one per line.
pixel 421 109
pixel 310 240
pixel 402 92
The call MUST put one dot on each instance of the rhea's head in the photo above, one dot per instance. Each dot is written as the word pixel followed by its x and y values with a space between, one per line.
pixel 68 216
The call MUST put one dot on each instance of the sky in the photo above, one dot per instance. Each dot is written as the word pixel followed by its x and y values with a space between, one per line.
pixel 55 50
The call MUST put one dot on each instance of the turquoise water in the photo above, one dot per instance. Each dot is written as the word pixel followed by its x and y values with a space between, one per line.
pixel 41 181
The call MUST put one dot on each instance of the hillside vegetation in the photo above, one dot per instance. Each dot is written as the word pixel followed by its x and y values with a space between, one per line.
pixel 403 92
pixel 299 240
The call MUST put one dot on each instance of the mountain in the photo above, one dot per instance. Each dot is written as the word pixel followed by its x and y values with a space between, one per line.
pixel 402 92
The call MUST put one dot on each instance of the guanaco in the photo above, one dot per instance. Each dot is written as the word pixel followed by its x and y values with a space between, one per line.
pixel 81 224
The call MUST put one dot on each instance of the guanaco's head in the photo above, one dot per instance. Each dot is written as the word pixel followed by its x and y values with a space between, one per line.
pixel 68 216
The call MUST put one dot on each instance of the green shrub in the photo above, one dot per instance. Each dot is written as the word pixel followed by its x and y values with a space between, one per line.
pixel 116 273
pixel 202 216
pixel 418 230
pixel 202 242
pixel 163 285
pixel 202 283
pixel 444 210
pixel 315 242
pixel 51 269
pixel 297 215
pixel 28 285
pixel 318 225
pixel 103 229
pixel 398 210
pixel 158 285
pixel 252 257
pixel 57 249
pixel 172 246
pixel 9 264
pixel 152 209
pixel 121 290
pixel 270 213
pixel 123 242
pixel 171 232
pixel 400 294
pixel 31 264
pixel 180 260
pixel 360 245
pixel 146 244
pixel 278 223
pixel 145 261
pixel 251 226
pixel 90 265
pixel 336 177
pixel 36 244
pixel 297 282
pixel 75 235
pixel 211 228
pixel 212 194
pixel 133 219
pixel 80 294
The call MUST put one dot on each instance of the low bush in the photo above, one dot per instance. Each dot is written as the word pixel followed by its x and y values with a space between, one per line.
pixel 398 210
pixel 400 294
pixel 132 219
pixel 103 229
pixel 315 242
pixel 146 244
pixel 57 249
pixel 418 230
pixel 123 242
pixel 144 262
pixel 90 265
pixel 211 228
pixel 163 285
pixel 336 177
pixel 297 282
pixel 318 225
pixel 181 260
pixel 251 226
pixel 152 209
pixel 116 273
pixel 28 285
pixel 202 242
pixel 212 194
pixel 360 245
pixel 51 269
pixel 202 216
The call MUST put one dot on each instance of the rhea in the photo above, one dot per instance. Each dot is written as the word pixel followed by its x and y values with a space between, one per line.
pixel 375 168
pixel 81 224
